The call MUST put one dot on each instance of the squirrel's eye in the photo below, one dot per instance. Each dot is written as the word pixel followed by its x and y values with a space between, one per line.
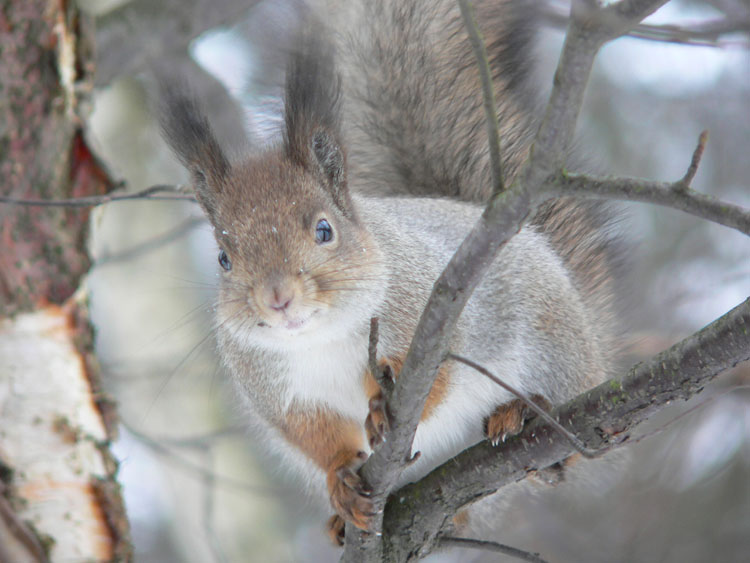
pixel 224 261
pixel 323 232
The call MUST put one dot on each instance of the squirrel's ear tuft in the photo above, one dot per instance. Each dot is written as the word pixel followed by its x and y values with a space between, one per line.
pixel 312 108
pixel 331 163
pixel 188 132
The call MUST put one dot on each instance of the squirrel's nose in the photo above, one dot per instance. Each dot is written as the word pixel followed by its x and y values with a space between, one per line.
pixel 279 298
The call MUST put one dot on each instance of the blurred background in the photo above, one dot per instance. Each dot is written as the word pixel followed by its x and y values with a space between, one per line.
pixel 200 488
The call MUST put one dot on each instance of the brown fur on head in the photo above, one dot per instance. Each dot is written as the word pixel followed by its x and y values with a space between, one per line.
pixel 291 244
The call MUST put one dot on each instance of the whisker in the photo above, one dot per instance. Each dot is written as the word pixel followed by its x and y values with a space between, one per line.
pixel 169 376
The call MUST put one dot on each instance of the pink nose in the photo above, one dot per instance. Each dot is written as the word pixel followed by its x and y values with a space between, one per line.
pixel 279 299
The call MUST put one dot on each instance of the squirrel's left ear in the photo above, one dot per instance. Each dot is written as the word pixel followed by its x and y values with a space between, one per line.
pixel 312 108
pixel 331 163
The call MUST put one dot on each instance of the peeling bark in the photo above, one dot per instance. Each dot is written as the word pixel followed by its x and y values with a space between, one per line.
pixel 59 500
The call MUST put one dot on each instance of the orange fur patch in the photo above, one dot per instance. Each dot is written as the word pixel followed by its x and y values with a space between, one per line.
pixel 437 393
pixel 322 435
pixel 461 520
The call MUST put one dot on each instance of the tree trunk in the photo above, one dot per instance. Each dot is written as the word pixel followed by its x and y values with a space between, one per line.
pixel 58 496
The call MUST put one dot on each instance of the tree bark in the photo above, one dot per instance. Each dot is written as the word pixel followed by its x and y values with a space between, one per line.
pixel 58 496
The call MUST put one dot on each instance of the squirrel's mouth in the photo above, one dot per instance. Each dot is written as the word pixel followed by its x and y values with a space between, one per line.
pixel 290 324
pixel 294 324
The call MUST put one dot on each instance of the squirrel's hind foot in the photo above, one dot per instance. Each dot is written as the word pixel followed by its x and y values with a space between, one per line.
pixel 508 419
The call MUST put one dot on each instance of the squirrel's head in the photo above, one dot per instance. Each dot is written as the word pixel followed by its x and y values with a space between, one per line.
pixel 294 256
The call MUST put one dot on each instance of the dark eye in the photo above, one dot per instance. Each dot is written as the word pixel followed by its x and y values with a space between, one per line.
pixel 323 232
pixel 224 261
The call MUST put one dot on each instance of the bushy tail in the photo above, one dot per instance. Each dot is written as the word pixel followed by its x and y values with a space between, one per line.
pixel 414 113
pixel 584 233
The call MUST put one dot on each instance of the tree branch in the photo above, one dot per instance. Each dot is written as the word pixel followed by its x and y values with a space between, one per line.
pixel 602 417
pixel 491 546
pixel 152 244
pixel 160 448
pixel 488 94
pixel 94 201
pixel 661 193
pixel 706 34
pixel 678 195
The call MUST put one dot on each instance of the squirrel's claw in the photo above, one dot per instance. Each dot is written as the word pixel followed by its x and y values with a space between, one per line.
pixel 335 528
pixel 350 494
pixel 376 423
pixel 508 419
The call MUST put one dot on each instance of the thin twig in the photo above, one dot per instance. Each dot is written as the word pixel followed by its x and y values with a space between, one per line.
pixel 687 179
pixel 574 441
pixel 488 94
pixel 152 244
pixel 197 469
pixel 674 195
pixel 209 492
pixel 202 440
pixel 95 201
pixel 447 541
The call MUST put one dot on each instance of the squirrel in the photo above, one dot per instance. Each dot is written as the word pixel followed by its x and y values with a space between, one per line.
pixel 381 171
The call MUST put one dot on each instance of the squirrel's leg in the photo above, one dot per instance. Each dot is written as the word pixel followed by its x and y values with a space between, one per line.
pixel 508 419
pixel 376 423
pixel 334 442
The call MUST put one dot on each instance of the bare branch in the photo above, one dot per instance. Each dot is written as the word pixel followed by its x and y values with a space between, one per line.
pixel 488 94
pixel 200 471
pixel 94 201
pixel 491 546
pixel 602 416
pixel 625 14
pixel 706 34
pixel 209 490
pixel 687 179
pixel 199 441
pixel 712 33
pixel 677 195
pixel 152 244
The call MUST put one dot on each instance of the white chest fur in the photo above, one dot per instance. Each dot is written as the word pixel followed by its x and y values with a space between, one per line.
pixel 329 374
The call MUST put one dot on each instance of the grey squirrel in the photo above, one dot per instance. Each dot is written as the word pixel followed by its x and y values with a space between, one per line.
pixel 380 174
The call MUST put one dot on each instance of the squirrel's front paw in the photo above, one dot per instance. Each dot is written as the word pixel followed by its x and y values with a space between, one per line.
pixel 335 528
pixel 349 493
pixel 508 419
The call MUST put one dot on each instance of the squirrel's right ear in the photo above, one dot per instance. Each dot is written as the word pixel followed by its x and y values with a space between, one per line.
pixel 188 132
